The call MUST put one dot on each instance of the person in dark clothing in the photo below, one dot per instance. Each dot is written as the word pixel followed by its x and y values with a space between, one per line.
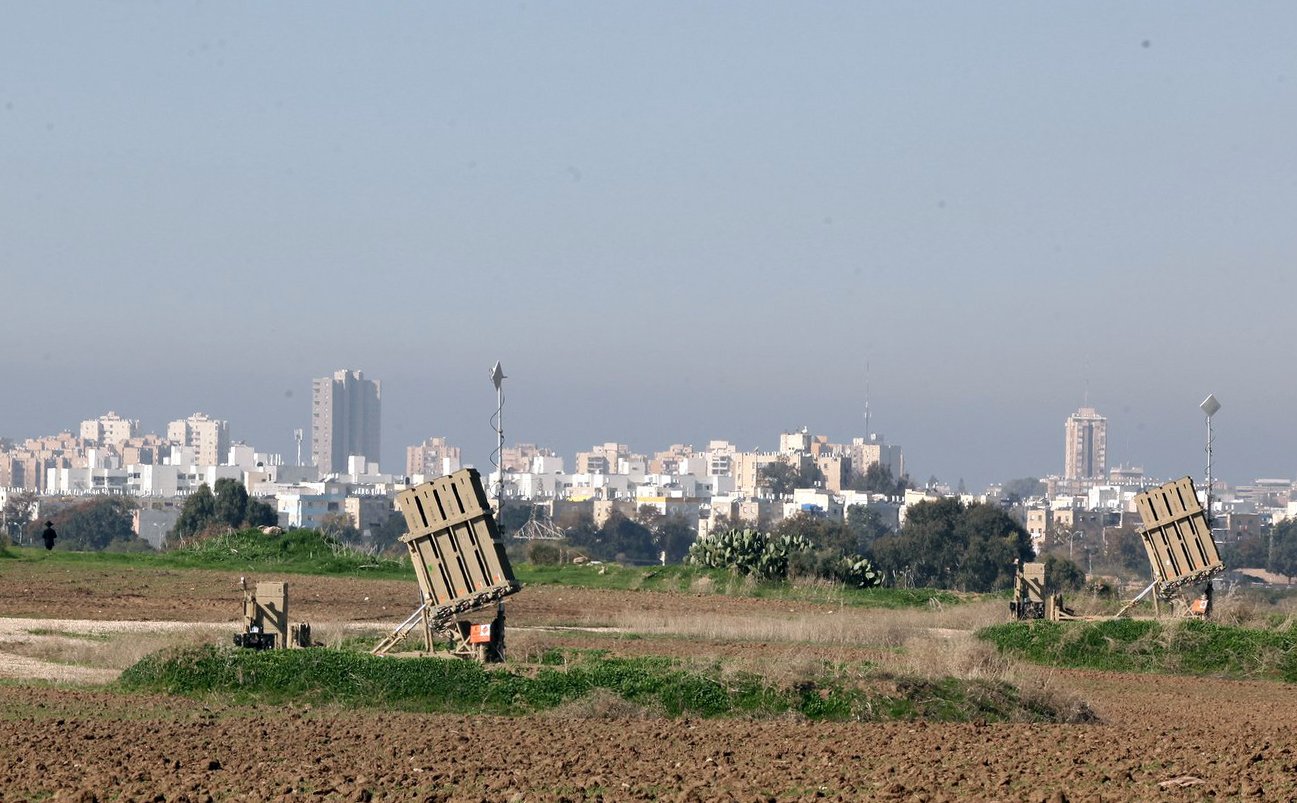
pixel 49 535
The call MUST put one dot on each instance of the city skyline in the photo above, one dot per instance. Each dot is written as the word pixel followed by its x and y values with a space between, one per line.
pixel 670 223
pixel 475 454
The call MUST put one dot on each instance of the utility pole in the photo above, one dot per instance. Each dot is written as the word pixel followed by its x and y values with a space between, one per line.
pixel 497 379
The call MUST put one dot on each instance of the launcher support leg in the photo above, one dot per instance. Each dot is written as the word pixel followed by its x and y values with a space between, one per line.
pixel 427 630
pixel 497 636
pixel 1137 598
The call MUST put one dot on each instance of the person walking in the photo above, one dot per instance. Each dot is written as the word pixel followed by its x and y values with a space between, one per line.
pixel 49 535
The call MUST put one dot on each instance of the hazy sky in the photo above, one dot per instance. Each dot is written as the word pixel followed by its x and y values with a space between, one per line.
pixel 670 222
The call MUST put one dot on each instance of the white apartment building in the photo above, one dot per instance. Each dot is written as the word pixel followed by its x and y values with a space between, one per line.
pixel 86 480
pixel 109 429
pixel 209 437
pixel 532 485
pixel 816 502
pixel 249 459
pixel 303 508
pixel 599 486
pixel 138 479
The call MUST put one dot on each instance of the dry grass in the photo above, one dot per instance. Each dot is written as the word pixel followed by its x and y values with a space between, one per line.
pixel 826 647
pixel 843 627
pixel 1250 610
pixel 962 655
pixel 105 650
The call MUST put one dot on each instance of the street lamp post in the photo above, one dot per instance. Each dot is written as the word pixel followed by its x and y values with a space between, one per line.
pixel 1071 536
pixel 1210 406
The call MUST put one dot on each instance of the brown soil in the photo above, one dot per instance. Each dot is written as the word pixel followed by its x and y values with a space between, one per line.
pixel 1159 738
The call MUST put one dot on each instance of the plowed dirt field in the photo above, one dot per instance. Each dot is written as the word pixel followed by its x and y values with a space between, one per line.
pixel 1157 738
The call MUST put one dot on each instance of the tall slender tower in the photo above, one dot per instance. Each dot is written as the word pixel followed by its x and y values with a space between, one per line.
pixel 346 416
pixel 1085 445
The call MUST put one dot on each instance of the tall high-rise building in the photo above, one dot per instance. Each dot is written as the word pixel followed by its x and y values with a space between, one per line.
pixel 110 429
pixel 209 437
pixel 346 415
pixel 1085 447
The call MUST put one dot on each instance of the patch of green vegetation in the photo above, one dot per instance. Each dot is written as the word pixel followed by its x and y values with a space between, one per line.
pixel 293 552
pixel 298 551
pixel 684 578
pixel 1127 645
pixel 331 676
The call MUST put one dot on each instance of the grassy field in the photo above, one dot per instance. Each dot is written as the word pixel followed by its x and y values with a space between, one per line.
pixel 307 552
pixel 294 552
pixel 1168 646
pixel 657 685
pixel 720 581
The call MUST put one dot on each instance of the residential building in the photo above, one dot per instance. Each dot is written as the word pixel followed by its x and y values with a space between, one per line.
pixel 795 442
pixel 668 462
pixel 368 513
pixel 729 510
pixel 603 459
pixel 746 468
pixel 865 452
pixel 836 469
pixel 309 508
pixel 522 457
pixel 346 416
pixel 148 448
pixel 432 458
pixel 815 502
pixel 26 465
pixel 109 429
pixel 209 437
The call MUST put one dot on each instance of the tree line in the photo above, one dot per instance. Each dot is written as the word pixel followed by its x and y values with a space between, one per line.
pixel 107 522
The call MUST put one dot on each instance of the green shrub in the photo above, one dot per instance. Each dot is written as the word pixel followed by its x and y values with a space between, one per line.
pixel 1126 645
pixel 333 676
pixel 304 551
pixel 540 553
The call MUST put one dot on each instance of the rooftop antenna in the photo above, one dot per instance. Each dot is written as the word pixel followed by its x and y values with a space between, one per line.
pixel 497 423
pixel 297 436
pixel 1210 406
pixel 869 434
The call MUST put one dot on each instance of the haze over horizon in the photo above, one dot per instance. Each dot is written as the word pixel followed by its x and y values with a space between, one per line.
pixel 669 222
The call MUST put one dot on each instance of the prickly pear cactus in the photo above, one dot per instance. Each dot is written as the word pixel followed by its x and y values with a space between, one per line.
pixel 748 551
pixel 858 572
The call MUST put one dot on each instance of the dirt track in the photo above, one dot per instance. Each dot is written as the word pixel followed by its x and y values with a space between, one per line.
pixel 1164 738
